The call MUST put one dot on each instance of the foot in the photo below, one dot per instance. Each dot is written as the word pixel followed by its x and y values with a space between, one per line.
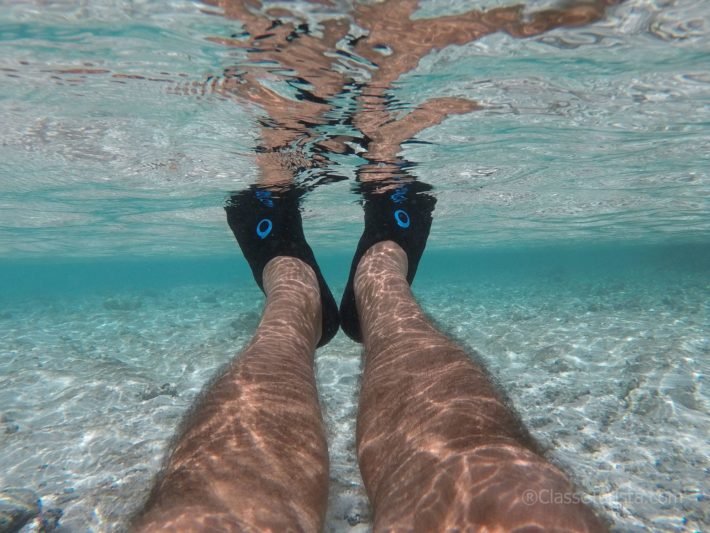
pixel 394 211
pixel 267 224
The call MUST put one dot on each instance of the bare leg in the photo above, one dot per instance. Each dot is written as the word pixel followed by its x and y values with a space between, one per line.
pixel 253 454
pixel 438 447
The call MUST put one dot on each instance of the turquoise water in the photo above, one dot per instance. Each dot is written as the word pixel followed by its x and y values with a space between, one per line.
pixel 570 246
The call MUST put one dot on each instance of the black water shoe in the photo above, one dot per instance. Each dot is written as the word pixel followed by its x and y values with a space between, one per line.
pixel 399 211
pixel 267 224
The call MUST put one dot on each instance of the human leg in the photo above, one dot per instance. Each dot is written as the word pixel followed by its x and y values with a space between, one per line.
pixel 438 446
pixel 397 209
pixel 252 455
pixel 266 222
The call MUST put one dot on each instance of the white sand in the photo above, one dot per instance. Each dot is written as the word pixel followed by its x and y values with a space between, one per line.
pixel 609 374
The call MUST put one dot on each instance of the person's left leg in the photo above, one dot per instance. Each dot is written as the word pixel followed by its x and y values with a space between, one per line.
pixel 253 455
pixel 439 447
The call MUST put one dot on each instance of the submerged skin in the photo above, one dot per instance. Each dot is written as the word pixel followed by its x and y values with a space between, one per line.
pixel 252 455
pixel 438 446
pixel 439 449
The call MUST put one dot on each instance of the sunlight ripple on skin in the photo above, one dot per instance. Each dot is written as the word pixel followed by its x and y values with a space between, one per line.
pixel 257 433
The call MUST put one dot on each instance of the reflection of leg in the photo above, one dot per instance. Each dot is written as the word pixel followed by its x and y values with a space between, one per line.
pixel 438 447
pixel 252 455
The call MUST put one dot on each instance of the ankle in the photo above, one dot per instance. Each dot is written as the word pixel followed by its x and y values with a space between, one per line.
pixel 292 293
pixel 290 279
pixel 382 293
pixel 385 260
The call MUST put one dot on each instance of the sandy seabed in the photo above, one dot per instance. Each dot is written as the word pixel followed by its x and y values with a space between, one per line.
pixel 610 375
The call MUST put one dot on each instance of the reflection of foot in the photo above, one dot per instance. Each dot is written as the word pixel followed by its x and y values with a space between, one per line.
pixel 267 224
pixel 394 211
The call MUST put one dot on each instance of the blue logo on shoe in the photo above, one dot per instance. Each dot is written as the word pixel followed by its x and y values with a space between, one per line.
pixel 400 195
pixel 265 198
pixel 263 228
pixel 402 218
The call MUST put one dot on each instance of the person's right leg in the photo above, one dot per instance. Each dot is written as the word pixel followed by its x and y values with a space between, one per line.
pixel 252 454
pixel 439 448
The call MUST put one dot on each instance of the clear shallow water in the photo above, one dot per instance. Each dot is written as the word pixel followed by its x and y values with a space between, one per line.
pixel 604 351
pixel 114 147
